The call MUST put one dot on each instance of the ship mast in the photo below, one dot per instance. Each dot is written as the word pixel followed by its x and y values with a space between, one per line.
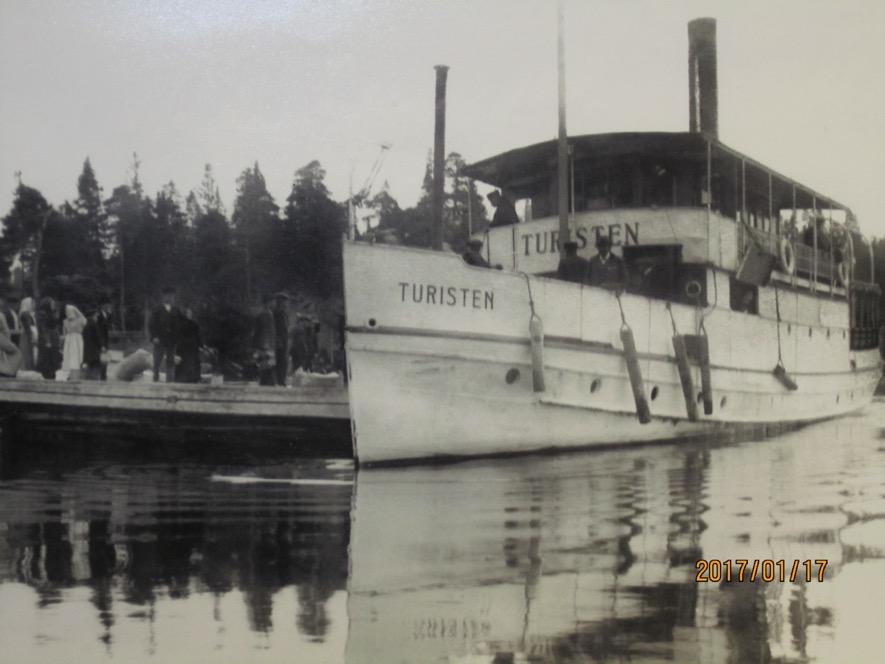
pixel 562 167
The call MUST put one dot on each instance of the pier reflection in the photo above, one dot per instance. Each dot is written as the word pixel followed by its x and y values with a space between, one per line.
pixel 576 558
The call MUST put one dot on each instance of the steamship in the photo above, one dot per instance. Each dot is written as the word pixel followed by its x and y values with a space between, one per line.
pixel 750 304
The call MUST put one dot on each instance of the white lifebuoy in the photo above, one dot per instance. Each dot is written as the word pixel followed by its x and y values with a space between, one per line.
pixel 842 273
pixel 786 256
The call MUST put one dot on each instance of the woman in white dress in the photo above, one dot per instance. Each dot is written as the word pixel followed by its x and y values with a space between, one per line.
pixel 72 353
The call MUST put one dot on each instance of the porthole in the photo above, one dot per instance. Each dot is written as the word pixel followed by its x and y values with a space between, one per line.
pixel 722 402
pixel 654 392
pixel 372 322
pixel 595 385
pixel 512 376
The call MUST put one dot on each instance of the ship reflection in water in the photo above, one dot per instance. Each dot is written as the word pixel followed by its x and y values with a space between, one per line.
pixel 576 558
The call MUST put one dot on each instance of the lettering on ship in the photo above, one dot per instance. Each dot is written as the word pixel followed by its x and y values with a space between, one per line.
pixel 547 242
pixel 447 296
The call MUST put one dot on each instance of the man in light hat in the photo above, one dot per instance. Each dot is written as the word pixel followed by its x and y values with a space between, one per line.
pixel 572 267
pixel 505 213
pixel 606 269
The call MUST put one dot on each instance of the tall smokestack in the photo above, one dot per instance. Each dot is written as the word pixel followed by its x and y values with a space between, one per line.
pixel 703 97
pixel 439 148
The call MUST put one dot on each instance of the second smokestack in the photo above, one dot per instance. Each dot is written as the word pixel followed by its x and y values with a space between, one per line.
pixel 703 95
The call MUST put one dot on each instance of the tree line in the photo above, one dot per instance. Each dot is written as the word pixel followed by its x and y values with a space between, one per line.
pixel 128 246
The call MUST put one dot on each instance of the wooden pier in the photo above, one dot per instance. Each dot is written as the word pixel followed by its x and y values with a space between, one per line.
pixel 314 417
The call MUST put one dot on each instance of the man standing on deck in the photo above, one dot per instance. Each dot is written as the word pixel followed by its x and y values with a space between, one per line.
pixel 606 269
pixel 281 332
pixel 163 328
pixel 473 255
pixel 505 213
pixel 572 268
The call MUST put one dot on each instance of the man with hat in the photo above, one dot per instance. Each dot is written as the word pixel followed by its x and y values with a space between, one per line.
pixel 606 269
pixel 505 213
pixel 281 331
pixel 572 267
pixel 473 255
pixel 92 345
pixel 163 328
pixel 264 343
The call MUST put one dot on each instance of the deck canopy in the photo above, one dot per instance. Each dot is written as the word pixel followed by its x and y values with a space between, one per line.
pixel 642 169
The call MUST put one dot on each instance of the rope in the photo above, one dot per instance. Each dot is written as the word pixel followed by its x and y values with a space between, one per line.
pixel 777 309
pixel 528 284
pixel 624 325
pixel 672 320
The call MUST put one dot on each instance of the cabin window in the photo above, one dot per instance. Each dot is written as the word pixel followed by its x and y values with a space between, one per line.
pixel 743 297
pixel 658 271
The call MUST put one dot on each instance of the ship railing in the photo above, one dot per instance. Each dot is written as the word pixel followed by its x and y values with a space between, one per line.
pixel 816 265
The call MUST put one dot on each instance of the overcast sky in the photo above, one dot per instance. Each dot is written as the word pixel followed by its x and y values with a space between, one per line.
pixel 230 82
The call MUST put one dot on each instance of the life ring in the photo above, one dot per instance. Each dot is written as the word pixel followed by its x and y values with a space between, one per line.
pixel 693 289
pixel 786 256
pixel 842 273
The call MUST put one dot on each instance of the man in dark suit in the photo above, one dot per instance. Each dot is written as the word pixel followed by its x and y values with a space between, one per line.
pixel 281 332
pixel 505 213
pixel 103 324
pixel 606 269
pixel 163 328
pixel 572 267
pixel 264 344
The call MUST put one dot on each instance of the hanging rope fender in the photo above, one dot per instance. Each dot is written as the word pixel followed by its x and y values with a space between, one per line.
pixel 779 371
pixel 681 353
pixel 536 336
pixel 704 359
pixel 643 413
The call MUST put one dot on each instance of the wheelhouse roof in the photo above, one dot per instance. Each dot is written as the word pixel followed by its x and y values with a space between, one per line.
pixel 514 165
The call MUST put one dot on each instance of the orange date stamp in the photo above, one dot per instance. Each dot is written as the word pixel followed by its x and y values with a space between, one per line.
pixel 766 570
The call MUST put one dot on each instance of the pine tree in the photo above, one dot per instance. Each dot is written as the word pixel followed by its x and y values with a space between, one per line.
pixel 257 228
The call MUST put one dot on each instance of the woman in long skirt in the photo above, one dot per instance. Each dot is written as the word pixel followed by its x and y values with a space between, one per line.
pixel 27 343
pixel 72 353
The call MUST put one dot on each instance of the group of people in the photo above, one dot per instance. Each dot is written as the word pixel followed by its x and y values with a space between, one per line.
pixel 274 343
pixel 605 269
pixel 41 338
pixel 175 336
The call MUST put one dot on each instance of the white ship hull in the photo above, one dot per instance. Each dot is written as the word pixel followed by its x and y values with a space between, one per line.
pixel 440 361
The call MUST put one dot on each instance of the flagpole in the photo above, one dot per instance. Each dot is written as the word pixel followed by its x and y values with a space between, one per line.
pixel 563 158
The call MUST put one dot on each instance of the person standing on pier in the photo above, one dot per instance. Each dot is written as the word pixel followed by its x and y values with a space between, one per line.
pixel 92 346
pixel 281 333
pixel 48 355
pixel 104 333
pixel 264 344
pixel 72 355
pixel 188 349
pixel 27 343
pixel 163 328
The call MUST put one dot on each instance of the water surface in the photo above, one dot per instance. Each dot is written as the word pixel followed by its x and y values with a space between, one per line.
pixel 574 558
